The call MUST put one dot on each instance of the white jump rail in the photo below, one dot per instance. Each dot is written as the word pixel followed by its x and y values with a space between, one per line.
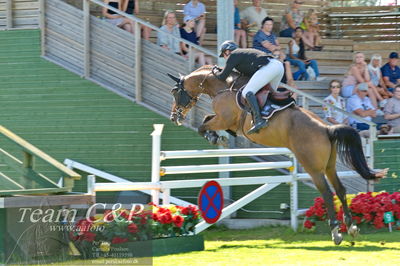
pixel 157 186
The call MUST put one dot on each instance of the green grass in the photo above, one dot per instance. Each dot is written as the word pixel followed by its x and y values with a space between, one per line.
pixel 282 246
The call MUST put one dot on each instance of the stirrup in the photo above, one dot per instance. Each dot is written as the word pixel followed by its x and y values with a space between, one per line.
pixel 257 127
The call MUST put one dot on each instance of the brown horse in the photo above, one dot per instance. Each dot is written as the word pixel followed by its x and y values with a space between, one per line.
pixel 312 141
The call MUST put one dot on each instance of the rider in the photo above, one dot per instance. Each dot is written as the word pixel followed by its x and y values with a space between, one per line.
pixel 262 69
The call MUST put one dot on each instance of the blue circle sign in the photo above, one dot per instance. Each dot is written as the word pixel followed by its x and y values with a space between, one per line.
pixel 211 201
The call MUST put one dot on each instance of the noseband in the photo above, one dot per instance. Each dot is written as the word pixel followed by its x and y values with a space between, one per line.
pixel 182 98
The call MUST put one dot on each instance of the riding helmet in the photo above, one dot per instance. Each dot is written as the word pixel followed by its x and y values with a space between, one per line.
pixel 227 45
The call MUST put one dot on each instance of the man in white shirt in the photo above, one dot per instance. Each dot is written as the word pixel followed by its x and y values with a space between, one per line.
pixel 361 105
pixel 253 16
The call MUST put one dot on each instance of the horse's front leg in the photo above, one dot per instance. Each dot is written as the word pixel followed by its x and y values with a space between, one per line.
pixel 208 131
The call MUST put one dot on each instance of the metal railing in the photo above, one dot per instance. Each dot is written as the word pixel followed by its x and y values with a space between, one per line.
pixel 32 181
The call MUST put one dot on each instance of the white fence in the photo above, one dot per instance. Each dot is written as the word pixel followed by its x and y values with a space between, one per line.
pixel 267 182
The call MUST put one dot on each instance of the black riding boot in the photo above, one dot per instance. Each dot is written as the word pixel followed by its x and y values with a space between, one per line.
pixel 258 122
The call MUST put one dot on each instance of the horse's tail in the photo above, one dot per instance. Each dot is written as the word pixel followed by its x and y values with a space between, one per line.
pixel 348 143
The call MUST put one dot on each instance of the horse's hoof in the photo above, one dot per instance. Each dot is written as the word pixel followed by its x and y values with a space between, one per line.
pixel 337 236
pixel 353 230
pixel 223 141
pixel 213 140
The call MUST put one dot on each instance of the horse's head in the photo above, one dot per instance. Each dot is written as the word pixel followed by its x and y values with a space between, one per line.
pixel 186 92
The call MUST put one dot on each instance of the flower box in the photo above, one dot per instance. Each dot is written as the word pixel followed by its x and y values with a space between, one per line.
pixel 146 232
pixel 371 211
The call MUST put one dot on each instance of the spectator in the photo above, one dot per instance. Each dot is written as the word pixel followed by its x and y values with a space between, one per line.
pixel 291 19
pixel 114 18
pixel 297 57
pixel 392 110
pixel 391 72
pixel 188 33
pixel 131 7
pixel 264 39
pixel 287 77
pixel 310 25
pixel 170 25
pixel 331 115
pixel 374 69
pixel 197 10
pixel 360 105
pixel 240 33
pixel 358 73
pixel 253 16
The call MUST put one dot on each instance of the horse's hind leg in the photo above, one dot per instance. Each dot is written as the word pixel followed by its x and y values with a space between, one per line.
pixel 211 135
pixel 323 187
pixel 341 193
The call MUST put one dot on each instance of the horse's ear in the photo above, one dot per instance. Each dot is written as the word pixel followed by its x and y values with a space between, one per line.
pixel 174 78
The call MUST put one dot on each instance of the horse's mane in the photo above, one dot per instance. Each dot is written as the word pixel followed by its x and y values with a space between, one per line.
pixel 206 69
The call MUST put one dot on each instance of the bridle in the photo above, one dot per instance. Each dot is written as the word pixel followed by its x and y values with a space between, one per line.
pixel 183 100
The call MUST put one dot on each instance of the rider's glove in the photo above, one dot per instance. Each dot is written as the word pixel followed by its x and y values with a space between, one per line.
pixel 215 70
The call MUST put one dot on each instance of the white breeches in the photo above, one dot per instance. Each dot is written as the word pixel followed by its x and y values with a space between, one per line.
pixel 271 73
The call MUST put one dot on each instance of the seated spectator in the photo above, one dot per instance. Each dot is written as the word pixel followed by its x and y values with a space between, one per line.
pixel 391 72
pixel 310 25
pixel 292 19
pixel 392 110
pixel 297 57
pixel 115 18
pixel 264 39
pixel 131 7
pixel 197 10
pixel 331 115
pixel 287 77
pixel 358 73
pixel 240 34
pixel 170 25
pixel 253 16
pixel 360 105
pixel 188 33
pixel 374 69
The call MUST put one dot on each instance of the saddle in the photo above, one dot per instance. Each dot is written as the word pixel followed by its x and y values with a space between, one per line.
pixel 269 101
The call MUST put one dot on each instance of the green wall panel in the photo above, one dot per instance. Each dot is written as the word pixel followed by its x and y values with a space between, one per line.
pixel 387 155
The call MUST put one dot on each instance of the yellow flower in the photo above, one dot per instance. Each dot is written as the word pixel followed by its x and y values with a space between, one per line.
pixel 99 220
pixel 172 208
pixel 105 246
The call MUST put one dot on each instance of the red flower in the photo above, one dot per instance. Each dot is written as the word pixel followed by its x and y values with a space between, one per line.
pixel 89 236
pixel 308 224
pixel 343 228
pixel 310 211
pixel 118 240
pixel 357 219
pixel 155 217
pixel 132 228
pixel 125 215
pixel 165 218
pixel 83 225
pixel 143 220
pixel 163 210
pixel 178 220
pixel 108 216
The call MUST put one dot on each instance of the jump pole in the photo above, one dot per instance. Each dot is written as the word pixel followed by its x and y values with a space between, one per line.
pixel 155 165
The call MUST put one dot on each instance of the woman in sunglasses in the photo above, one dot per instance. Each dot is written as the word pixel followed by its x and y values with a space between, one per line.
pixel 331 115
